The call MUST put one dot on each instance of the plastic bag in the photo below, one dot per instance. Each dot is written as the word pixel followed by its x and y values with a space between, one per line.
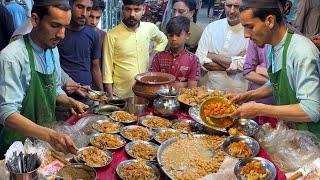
pixel 290 149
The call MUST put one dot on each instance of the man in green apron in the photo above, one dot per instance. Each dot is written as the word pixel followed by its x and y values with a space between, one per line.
pixel 30 79
pixel 294 70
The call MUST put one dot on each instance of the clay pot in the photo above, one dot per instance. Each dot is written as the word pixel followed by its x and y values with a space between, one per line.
pixel 147 84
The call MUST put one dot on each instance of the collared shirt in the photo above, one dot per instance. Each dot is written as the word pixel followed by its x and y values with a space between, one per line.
pixel 15 74
pixel 126 54
pixel 18 13
pixel 185 67
pixel 303 71
pixel 308 17
pixel 256 56
pixel 221 38
pixel 195 35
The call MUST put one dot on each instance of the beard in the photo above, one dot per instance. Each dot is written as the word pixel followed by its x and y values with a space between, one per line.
pixel 130 22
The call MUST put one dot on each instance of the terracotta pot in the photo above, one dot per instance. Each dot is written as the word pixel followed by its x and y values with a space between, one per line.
pixel 147 84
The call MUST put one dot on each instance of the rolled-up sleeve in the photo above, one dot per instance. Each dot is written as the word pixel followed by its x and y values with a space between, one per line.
pixel 159 38
pixel 251 60
pixel 203 46
pixel 306 76
pixel 107 63
pixel 11 89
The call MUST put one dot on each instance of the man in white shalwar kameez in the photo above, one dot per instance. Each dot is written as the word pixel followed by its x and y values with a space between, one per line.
pixel 221 51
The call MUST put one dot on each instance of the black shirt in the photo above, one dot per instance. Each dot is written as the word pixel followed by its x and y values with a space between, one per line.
pixel 6 27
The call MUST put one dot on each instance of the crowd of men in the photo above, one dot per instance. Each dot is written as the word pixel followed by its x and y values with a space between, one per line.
pixel 57 54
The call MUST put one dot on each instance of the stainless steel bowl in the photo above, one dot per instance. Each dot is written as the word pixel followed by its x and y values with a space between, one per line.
pixel 143 120
pixel 163 130
pixel 146 163
pixel 107 153
pixel 123 141
pixel 77 166
pixel 137 105
pixel 151 134
pixel 249 126
pixel 195 127
pixel 95 95
pixel 124 122
pixel 250 142
pixel 129 146
pixel 265 163
pixel 94 126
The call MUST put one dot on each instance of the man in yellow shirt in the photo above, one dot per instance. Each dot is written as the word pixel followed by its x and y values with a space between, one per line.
pixel 126 51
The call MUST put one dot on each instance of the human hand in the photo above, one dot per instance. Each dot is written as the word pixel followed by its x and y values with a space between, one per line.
pixel 316 40
pixel 83 91
pixel 77 107
pixel 262 71
pixel 247 110
pixel 211 55
pixel 213 67
pixel 61 142
pixel 71 87
pixel 242 53
pixel 238 98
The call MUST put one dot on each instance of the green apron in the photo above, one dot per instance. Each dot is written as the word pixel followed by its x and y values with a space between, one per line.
pixel 39 103
pixel 283 93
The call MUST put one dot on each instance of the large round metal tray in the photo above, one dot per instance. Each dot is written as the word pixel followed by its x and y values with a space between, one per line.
pixel 194 112
pixel 170 141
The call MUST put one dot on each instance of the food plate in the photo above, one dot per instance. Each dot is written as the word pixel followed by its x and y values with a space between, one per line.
pixel 107 126
pixel 185 125
pixel 241 147
pixel 135 133
pixel 192 156
pixel 106 109
pixel 163 134
pixel 267 165
pixel 216 112
pixel 142 150
pixel 194 112
pixel 106 141
pixel 77 171
pixel 90 155
pixel 154 122
pixel 98 96
pixel 123 117
pixel 243 127
pixel 138 170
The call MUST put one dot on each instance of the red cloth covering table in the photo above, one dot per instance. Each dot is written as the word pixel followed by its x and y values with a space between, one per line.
pixel 109 172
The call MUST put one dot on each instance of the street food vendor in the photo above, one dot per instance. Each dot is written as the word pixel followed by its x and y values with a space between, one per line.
pixel 293 68
pixel 30 79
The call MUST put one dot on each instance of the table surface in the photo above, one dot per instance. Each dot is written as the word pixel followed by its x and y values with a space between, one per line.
pixel 109 172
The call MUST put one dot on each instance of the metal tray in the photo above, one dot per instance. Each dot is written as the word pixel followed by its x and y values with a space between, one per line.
pixel 108 148
pixel 94 126
pixel 107 153
pixel 162 130
pixel 106 109
pixel 167 143
pixel 145 118
pixel 195 127
pixel 250 142
pixel 124 122
pixel 151 134
pixel 147 163
pixel 265 163
pixel 129 146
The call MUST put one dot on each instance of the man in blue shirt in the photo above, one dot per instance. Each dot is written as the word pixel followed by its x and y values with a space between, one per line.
pixel 80 50
pixel 30 80
pixel 18 13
